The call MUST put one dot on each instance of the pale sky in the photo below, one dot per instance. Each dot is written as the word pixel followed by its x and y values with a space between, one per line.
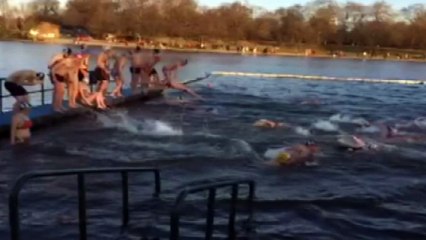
pixel 274 4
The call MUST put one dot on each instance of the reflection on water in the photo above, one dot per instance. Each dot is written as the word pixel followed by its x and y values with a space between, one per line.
pixel 364 195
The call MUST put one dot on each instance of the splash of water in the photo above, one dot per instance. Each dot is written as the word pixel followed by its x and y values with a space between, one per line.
pixel 420 122
pixel 273 153
pixel 326 126
pixel 155 127
pixel 121 120
pixel 341 118
pixel 371 129
pixel 302 131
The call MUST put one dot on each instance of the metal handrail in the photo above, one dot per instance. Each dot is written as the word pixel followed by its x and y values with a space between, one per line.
pixel 14 219
pixel 211 188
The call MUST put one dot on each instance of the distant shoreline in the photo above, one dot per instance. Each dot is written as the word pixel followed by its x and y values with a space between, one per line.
pixel 99 43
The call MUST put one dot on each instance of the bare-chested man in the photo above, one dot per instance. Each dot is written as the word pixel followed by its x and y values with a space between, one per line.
pixel 149 68
pixel 171 80
pixel 84 78
pixel 15 82
pixel 136 68
pixel 58 87
pixel 117 73
pixel 66 72
pixel 102 75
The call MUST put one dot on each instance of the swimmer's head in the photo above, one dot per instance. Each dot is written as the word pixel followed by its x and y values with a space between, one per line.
pixel 153 72
pixel 40 76
pixel 156 51
pixel 24 107
pixel 138 48
pixel 313 146
pixel 283 158
pixel 390 131
pixel 184 62
pixel 67 52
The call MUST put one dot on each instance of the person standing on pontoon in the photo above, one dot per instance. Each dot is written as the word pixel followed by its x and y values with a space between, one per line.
pixel 149 69
pixel 171 80
pixel 103 75
pixel 58 86
pixel 117 72
pixel 15 82
pixel 136 68
pixel 67 72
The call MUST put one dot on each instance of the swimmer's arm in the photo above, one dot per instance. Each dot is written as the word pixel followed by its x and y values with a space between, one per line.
pixel 13 129
pixel 101 63
pixel 123 62
pixel 55 60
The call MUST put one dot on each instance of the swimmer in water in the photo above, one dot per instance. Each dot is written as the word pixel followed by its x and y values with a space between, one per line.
pixel 170 78
pixel 392 135
pixel 295 155
pixel 20 129
pixel 351 143
pixel 265 123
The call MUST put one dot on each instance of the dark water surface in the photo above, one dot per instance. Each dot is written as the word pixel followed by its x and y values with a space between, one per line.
pixel 366 195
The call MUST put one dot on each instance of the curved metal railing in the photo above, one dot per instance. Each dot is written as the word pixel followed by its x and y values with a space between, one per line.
pixel 14 219
pixel 212 188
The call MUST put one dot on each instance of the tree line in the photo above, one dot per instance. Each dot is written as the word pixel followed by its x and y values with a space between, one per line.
pixel 320 22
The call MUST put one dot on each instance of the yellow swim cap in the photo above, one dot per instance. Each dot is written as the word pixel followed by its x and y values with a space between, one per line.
pixel 283 158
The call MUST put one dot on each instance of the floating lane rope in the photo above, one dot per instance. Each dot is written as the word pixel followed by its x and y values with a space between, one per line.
pixel 320 78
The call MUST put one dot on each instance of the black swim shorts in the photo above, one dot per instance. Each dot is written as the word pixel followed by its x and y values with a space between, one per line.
pixel 135 70
pixel 81 75
pixel 14 89
pixel 101 75
pixel 59 78
pixel 153 72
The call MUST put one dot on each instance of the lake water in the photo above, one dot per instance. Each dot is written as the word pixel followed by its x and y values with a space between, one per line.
pixel 364 195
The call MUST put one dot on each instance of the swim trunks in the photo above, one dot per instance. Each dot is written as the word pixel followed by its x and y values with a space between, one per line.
pixel 168 85
pixel 153 72
pixel 135 70
pixel 60 78
pixel 101 75
pixel 15 90
pixel 115 73
pixel 80 75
